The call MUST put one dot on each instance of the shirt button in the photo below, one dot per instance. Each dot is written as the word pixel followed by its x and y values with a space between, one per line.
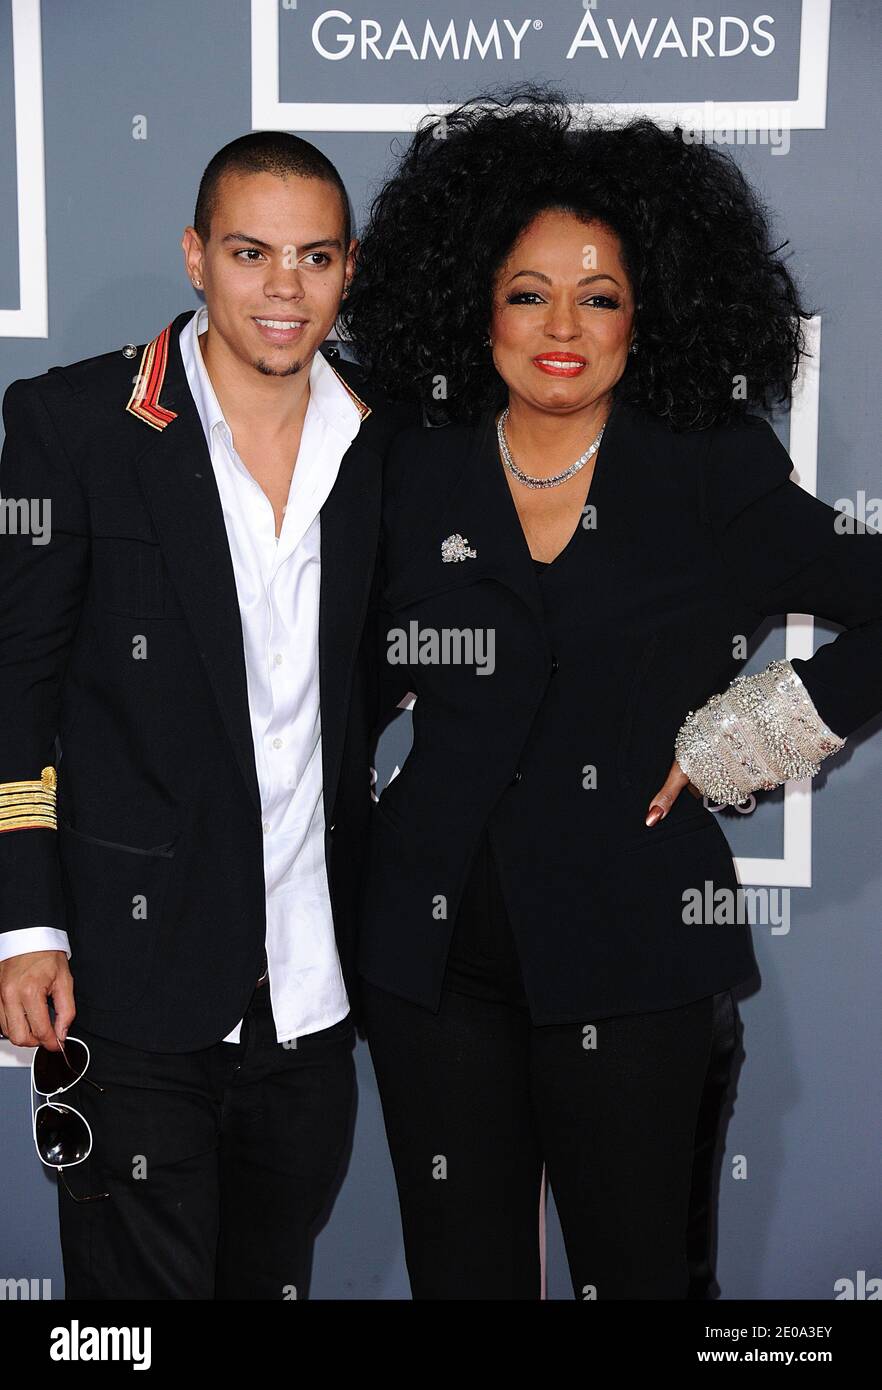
pixel 266 827
pixel 277 659
pixel 277 743
pixel 517 777
pixel 555 666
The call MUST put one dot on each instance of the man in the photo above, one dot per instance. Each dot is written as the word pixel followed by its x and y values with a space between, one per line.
pixel 190 640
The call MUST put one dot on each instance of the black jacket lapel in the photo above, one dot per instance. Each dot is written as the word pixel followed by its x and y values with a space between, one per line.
pixel 181 493
pixel 350 523
pixel 475 513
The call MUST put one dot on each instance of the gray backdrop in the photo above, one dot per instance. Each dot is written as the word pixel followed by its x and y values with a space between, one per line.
pixel 799 1187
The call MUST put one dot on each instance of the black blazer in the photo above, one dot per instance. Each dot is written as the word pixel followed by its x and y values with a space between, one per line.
pixel 698 537
pixel 157 784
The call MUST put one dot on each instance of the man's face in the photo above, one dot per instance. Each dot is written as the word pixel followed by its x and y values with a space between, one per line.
pixel 273 269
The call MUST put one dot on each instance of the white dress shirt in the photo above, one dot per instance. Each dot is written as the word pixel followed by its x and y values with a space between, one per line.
pixel 277 582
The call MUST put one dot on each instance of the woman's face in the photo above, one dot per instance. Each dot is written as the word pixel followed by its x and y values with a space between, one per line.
pixel 562 297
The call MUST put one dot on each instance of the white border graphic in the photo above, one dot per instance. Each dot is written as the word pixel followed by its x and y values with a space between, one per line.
pixel 31 319
pixel 794 869
pixel 807 112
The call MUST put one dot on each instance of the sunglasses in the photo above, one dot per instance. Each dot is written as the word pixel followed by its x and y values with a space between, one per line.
pixel 62 1135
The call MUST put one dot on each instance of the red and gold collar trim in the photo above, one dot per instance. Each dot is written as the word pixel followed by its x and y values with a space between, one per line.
pixel 361 406
pixel 144 400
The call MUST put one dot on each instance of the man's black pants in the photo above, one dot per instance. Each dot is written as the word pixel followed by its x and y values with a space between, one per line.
pixel 218 1164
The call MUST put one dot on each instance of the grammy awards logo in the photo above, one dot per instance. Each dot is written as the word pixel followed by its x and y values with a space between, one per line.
pixel 337 36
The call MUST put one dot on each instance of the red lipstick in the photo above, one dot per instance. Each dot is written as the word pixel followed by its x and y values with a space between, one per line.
pixel 560 363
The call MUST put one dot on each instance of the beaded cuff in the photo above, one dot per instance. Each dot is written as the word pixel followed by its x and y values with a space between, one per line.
pixel 761 731
pixel 29 805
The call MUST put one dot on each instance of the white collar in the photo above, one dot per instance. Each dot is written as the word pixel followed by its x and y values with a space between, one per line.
pixel 327 392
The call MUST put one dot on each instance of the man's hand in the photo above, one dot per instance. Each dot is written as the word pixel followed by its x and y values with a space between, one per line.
pixel 26 982
pixel 663 800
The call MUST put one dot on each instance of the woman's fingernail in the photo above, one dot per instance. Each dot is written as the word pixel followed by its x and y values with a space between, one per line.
pixel 656 813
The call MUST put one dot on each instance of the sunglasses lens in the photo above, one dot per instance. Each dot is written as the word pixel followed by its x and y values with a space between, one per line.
pixel 62 1135
pixel 52 1070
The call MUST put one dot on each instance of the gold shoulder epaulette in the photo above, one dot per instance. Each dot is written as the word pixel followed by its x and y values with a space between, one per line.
pixel 29 805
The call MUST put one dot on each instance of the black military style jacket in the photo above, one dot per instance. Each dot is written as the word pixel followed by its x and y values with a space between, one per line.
pixel 157 790
pixel 697 537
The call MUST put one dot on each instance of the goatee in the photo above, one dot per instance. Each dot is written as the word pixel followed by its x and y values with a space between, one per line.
pixel 264 367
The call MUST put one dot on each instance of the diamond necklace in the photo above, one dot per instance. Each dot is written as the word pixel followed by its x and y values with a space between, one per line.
pixel 556 478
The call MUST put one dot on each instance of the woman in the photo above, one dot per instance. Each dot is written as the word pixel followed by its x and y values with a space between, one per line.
pixel 571 568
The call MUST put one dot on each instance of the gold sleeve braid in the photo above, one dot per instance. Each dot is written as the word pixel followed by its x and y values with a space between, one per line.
pixel 761 731
pixel 29 805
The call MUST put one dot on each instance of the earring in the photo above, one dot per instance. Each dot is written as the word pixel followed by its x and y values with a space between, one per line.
pixel 197 284
pixel 633 347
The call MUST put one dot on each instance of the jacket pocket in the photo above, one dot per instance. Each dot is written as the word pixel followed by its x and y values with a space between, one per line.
pixel 128 569
pixel 115 896
pixel 167 850
pixel 631 710
pixel 682 819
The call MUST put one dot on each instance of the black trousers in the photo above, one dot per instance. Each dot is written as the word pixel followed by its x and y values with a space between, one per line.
pixel 476 1098
pixel 218 1163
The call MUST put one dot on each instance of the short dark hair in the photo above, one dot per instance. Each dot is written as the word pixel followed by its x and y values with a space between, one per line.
pixel 266 152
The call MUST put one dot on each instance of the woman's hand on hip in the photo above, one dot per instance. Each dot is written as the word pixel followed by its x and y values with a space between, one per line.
pixel 664 799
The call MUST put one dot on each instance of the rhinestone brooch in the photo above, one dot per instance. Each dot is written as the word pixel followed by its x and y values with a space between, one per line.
pixel 456 547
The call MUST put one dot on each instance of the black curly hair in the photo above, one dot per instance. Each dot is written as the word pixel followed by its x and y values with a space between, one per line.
pixel 713 300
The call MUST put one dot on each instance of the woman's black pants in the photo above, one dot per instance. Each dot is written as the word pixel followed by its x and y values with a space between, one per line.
pixel 476 1098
